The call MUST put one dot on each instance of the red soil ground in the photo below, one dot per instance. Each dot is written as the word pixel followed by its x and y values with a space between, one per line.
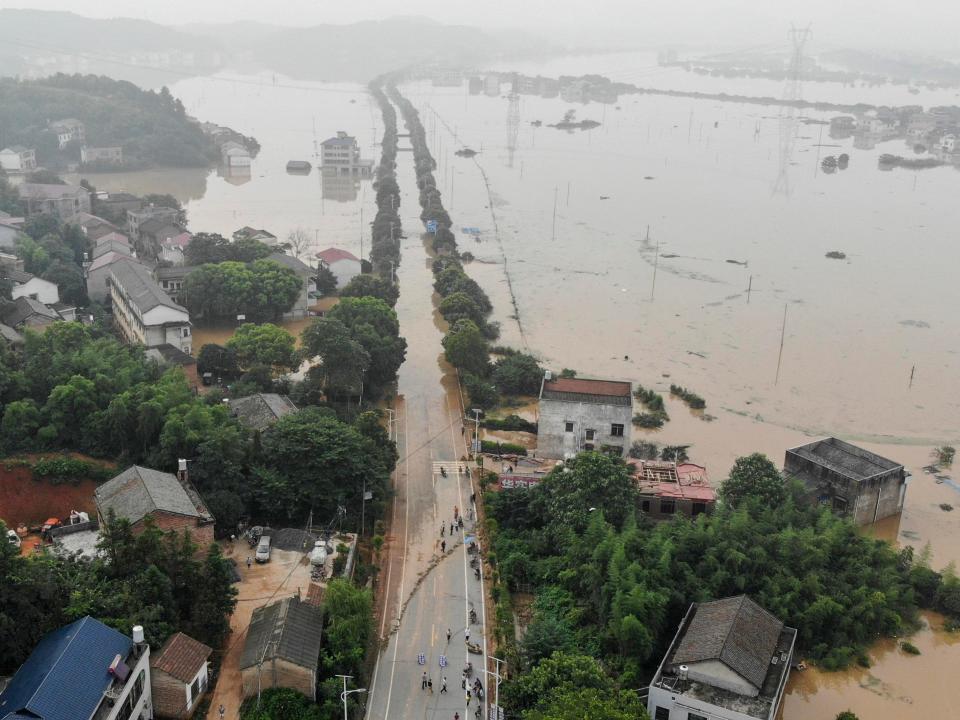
pixel 25 501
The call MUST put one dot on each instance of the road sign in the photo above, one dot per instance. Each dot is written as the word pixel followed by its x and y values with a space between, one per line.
pixel 421 659
pixel 443 661
pixel 432 226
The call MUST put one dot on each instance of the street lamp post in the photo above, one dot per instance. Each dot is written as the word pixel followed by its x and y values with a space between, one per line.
pixel 496 674
pixel 476 430
pixel 343 695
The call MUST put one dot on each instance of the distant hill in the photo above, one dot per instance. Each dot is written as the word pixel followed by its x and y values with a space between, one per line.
pixel 152 127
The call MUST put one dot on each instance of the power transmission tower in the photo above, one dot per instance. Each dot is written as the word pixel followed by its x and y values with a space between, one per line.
pixel 513 125
pixel 788 112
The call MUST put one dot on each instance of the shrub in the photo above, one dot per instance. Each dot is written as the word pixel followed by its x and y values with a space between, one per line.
pixel 649 420
pixel 641 450
pixel 693 401
pixel 493 447
pixel 67 468
pixel 518 374
pixel 482 393
pixel 510 422
pixel 909 648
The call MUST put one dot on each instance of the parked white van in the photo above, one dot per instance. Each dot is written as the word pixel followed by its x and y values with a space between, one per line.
pixel 263 549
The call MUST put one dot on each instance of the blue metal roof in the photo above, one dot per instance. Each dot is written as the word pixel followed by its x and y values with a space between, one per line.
pixel 66 674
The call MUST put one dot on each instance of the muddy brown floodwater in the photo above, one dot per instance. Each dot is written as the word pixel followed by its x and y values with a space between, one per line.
pixel 739 224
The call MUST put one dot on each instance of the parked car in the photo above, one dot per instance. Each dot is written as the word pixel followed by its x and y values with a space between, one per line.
pixel 263 549
pixel 13 538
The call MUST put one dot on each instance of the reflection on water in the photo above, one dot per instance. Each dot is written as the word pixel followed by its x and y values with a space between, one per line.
pixel 235 174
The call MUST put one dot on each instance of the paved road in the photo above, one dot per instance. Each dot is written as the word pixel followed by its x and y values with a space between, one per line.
pixel 428 591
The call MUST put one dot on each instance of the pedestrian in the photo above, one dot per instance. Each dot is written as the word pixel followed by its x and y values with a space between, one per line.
pixel 423 682
pixel 463 681
pixel 443 685
pixel 430 685
pixel 448 634
pixel 443 546
pixel 451 529
pixel 249 562
pixel 460 522
pixel 510 468
pixel 443 529
pixel 456 512
pixel 461 470
pixel 473 498
pixel 476 572
pixel 468 697
pixel 466 634
pixel 463 430
pixel 456 716
pixel 222 711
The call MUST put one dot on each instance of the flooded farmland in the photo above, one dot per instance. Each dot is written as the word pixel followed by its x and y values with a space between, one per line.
pixel 740 220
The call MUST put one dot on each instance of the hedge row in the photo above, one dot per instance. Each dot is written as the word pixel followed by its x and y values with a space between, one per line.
pixel 386 229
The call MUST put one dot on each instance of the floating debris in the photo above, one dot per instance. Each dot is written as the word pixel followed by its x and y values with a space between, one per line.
pixel 465 152
pixel 915 323
pixel 837 255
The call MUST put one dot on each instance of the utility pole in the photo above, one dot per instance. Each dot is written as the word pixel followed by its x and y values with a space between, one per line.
pixel 553 232
pixel 496 674
pixel 361 231
pixel 476 431
pixel 783 331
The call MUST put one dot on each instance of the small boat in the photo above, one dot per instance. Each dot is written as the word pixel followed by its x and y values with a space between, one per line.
pixel 299 167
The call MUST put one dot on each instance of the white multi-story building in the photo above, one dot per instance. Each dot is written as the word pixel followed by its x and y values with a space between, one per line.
pixel 143 312
pixel 340 155
pixel 729 660
pixel 83 670
pixel 18 159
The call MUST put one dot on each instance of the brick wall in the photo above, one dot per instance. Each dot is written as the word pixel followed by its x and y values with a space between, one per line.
pixel 202 535
pixel 169 695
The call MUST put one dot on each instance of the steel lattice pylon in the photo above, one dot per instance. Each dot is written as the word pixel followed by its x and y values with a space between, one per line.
pixel 788 112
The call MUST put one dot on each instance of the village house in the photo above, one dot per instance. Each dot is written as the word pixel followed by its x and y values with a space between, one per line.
pixel 31 286
pixel 340 155
pixel 308 285
pixel 343 264
pixel 667 489
pixel 143 312
pixel 261 235
pixel 101 155
pixel 179 676
pixel 729 660
pixel 97 271
pixel 282 648
pixel 260 411
pixel 25 312
pixel 121 202
pixel 18 159
pixel 577 414
pixel 10 262
pixel 111 242
pixel 94 227
pixel 852 481
pixel 171 279
pixel 63 201
pixel 82 670
pixel 67 131
pixel 155 234
pixel 170 501
pixel 9 230
pixel 10 338
pixel 234 154
pixel 136 218
pixel 169 356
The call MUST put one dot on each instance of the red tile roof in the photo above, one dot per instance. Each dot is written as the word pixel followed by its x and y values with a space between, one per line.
pixel 583 386
pixel 332 255
pixel 181 657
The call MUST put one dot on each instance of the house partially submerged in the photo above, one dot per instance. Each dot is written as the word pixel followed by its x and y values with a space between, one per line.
pixel 142 312
pixel 82 670
pixel 179 676
pixel 729 660
pixel 262 410
pixel 169 500
pixel 667 489
pixel 308 284
pixel 577 414
pixel 853 481
pixel 282 648
pixel 342 263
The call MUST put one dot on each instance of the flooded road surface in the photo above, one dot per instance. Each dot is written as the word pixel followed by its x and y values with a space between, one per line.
pixel 219 334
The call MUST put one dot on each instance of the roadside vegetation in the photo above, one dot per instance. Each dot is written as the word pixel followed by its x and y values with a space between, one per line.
pixel 611 587
pixel 655 414
pixel 693 401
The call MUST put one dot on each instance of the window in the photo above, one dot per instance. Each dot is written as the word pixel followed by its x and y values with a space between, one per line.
pixel 194 691
pixel 645 506
pixel 186 332
pixel 616 430
pixel 590 434
pixel 661 713
pixel 694 716
pixel 569 427
pixel 699 509
pixel 668 507
pixel 588 446
pixel 840 504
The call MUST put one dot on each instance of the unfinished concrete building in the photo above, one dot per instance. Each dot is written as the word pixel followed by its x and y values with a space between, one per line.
pixel 852 481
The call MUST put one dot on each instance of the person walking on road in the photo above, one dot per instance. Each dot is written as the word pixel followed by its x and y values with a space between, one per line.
pixel 460 522
pixel 463 681
pixel 443 685
pixel 468 697
pixel 466 634
pixel 451 529
pixel 443 546
pixel 443 529
pixel 473 498
pixel 430 685
pixel 456 512
pixel 423 682
pixel 249 562
pixel 448 634
pixel 456 716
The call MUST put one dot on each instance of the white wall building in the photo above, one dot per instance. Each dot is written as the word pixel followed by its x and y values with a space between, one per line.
pixel 27 285
pixel 143 312
pixel 729 660
pixel 18 159
pixel 343 264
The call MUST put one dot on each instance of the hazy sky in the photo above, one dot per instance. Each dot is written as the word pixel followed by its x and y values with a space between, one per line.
pixel 918 24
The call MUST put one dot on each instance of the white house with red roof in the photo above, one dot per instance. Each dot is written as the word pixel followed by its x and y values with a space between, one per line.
pixel 577 414
pixel 342 263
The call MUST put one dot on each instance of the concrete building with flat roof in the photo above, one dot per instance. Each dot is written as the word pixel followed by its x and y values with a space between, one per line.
pixel 852 481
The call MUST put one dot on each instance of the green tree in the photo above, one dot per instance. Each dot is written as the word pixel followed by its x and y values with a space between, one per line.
pixel 326 281
pixel 518 374
pixel 69 408
pixel 262 290
pixel 589 703
pixel 846 715
pixel 371 286
pixel 343 360
pixel 374 325
pixel 753 477
pixel 558 673
pixel 69 279
pixel 265 344
pixel 218 360
pixel 466 348
pixel 460 306
pixel 21 420
pixel 590 482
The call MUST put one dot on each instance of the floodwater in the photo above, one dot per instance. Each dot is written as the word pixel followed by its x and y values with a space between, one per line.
pixel 740 218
